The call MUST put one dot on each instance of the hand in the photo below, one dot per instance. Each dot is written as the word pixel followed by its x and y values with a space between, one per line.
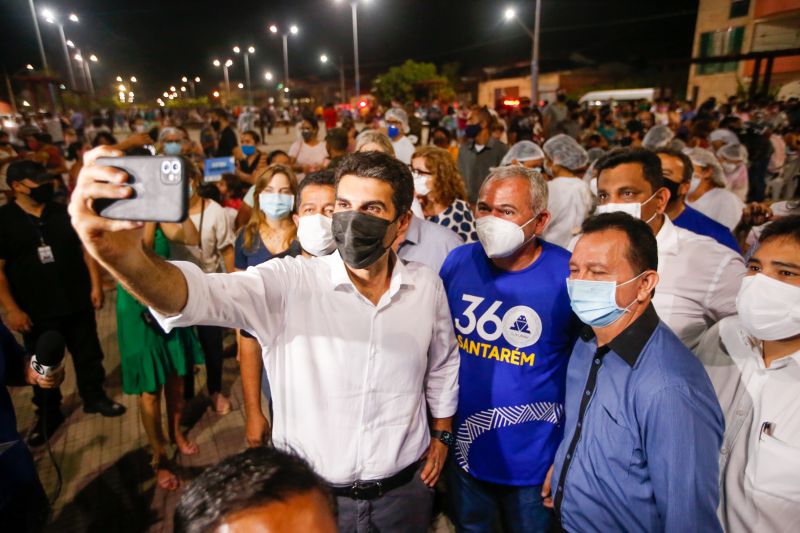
pixel 257 431
pixel 136 140
pixel 238 154
pixel 435 458
pixel 105 239
pixel 546 489
pixel 756 214
pixel 98 298
pixel 50 382
pixel 19 321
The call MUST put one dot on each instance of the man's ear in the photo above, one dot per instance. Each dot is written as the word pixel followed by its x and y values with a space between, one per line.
pixel 648 285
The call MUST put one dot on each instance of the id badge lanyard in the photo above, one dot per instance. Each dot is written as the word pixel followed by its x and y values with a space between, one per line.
pixel 45 252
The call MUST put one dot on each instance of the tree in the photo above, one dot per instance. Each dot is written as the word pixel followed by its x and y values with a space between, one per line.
pixel 410 81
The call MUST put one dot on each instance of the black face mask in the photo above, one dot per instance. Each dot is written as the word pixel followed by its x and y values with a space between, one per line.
pixel 43 193
pixel 359 237
pixel 672 187
pixel 216 125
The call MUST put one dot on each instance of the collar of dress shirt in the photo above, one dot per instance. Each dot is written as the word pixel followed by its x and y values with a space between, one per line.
pixel 339 278
pixel 667 238
pixel 756 349
pixel 630 343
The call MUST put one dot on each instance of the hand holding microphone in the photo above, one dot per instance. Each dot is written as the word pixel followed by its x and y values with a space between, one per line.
pixel 45 369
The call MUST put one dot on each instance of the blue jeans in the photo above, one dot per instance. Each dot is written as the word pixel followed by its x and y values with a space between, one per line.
pixel 477 505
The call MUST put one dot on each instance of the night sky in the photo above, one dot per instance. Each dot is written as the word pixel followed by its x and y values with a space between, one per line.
pixel 160 40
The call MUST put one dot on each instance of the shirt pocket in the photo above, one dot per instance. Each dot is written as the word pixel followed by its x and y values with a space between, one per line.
pixel 777 469
pixel 615 441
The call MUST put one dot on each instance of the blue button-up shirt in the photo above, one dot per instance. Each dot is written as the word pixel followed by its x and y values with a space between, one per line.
pixel 643 430
pixel 427 243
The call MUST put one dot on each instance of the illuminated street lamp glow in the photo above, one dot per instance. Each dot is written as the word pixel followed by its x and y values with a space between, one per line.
pixel 197 79
pixel 286 89
pixel 121 87
pixel 241 85
pixel 229 63
pixel 25 103
pixel 184 79
pixel 216 62
pixel 251 50
pixel 293 30
pixel 323 58
pixel 183 89
pixel 29 66
pixel 510 13
pixel 166 94
pixel 236 49
pixel 119 78
pixel 268 76
pixel 273 28
pixel 73 17
pixel 78 57
pixel 215 94
pixel 93 58
pixel 172 88
pixel 48 15
pixel 70 43
pixel 133 79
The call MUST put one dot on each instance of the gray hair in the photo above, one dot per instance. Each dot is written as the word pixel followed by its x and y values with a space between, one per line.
pixel 536 183
pixel 377 137
pixel 170 131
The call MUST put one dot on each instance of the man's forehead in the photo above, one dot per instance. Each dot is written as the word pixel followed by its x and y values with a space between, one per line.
pixel 625 175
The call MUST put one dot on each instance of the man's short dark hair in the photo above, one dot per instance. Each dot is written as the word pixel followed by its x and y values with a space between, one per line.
pixel 782 228
pixel 21 170
pixel 382 167
pixel 220 112
pixel 253 478
pixel 256 137
pixel 337 139
pixel 273 154
pixel 101 135
pixel 642 252
pixel 320 177
pixel 650 163
pixel 688 167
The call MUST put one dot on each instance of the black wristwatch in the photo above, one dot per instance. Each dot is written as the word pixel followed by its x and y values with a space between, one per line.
pixel 445 437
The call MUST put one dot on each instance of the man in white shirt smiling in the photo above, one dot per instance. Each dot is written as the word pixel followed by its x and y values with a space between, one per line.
pixel 360 345
pixel 753 360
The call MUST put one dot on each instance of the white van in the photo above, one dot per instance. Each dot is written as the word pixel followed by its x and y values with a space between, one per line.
pixel 595 98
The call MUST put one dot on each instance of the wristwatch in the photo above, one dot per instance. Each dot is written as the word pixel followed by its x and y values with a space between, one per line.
pixel 445 437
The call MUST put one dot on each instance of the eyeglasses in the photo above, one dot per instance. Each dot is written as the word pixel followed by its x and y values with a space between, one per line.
pixel 418 171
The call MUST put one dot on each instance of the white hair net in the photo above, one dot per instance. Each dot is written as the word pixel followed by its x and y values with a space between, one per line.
pixel 705 159
pixel 398 114
pixel 724 135
pixel 733 152
pixel 565 151
pixel 659 136
pixel 523 151
pixel 595 153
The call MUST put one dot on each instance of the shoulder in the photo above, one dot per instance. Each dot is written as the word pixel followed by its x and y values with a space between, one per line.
pixel 439 232
pixel 555 253
pixel 670 364
pixel 461 257
pixel 710 248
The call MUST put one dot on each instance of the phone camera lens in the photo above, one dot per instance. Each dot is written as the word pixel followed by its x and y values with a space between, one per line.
pixel 165 167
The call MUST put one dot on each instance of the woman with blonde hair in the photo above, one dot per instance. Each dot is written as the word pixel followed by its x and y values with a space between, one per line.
pixel 440 190
pixel 374 141
pixel 269 233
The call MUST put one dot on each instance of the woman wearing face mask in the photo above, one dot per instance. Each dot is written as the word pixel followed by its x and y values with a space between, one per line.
pixel 707 192
pixel 733 158
pixel 440 190
pixel 250 161
pixel 271 233
pixel 171 141
pixel 308 154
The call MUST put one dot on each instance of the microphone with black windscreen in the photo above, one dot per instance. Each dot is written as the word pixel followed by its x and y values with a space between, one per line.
pixel 49 353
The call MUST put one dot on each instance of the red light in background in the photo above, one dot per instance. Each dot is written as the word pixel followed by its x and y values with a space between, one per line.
pixel 511 102
pixel 362 103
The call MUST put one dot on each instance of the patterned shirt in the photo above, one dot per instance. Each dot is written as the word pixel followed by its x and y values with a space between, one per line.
pixel 459 218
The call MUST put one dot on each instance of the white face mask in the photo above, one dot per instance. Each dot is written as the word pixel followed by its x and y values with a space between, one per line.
pixel 499 237
pixel 729 168
pixel 420 184
pixel 315 234
pixel 694 184
pixel 769 309
pixel 634 209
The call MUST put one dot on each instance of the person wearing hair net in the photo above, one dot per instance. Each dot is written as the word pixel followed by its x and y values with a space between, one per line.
pixel 733 159
pixel 525 153
pixel 569 197
pixel 658 137
pixel 721 137
pixel 707 192
pixel 396 128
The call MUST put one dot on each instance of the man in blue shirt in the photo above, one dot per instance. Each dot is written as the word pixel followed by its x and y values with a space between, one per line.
pixel 677 172
pixel 643 425
pixel 515 331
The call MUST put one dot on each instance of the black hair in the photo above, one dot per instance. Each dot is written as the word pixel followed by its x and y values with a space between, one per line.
pixel 138 150
pixel 256 137
pixel 103 135
pixel 642 250
pixel 209 191
pixel 311 120
pixel 337 138
pixel 237 189
pixel 383 167
pixel 24 169
pixel 273 154
pixel 649 161
pixel 782 228
pixel 441 129
pixel 688 168
pixel 321 177
pixel 73 149
pixel 252 478
pixel 44 138
pixel 220 112
pixel 4 133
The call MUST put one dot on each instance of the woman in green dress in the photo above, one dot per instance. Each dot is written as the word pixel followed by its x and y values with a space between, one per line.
pixel 153 360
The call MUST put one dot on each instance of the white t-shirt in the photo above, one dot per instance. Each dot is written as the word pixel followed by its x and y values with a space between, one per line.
pixel 403 150
pixel 306 154
pixel 569 202
pixel 721 205
pixel 216 234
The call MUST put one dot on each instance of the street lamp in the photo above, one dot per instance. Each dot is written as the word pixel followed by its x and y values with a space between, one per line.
pixel 29 66
pixel 50 17
pixel 225 66
pixel 325 59
pixel 267 75
pixel 293 31
pixel 354 10
pixel 511 14
pixel 133 79
pixel 250 50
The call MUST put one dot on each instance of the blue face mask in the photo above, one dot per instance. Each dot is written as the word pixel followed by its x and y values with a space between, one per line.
pixel 595 302
pixel 172 148
pixel 248 150
pixel 275 205
pixel 472 131
pixel 393 132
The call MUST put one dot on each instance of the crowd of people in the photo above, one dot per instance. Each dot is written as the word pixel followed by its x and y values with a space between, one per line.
pixel 575 317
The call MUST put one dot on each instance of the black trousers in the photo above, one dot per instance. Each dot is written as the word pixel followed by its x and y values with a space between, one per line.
pixel 210 338
pixel 80 333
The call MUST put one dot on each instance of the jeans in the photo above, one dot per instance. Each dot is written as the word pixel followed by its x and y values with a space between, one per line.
pixel 476 505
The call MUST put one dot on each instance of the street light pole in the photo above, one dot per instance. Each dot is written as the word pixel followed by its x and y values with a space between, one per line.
pixel 354 7
pixel 285 59
pixel 89 75
pixel 535 56
pixel 227 82
pixel 66 55
pixel 38 35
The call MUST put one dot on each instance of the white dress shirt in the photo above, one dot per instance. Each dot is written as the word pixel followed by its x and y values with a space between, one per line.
pixel 351 381
pixel 698 283
pixel 403 149
pixel 721 205
pixel 568 201
pixel 759 469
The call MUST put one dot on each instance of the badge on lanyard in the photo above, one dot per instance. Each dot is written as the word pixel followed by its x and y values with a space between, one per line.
pixel 46 254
